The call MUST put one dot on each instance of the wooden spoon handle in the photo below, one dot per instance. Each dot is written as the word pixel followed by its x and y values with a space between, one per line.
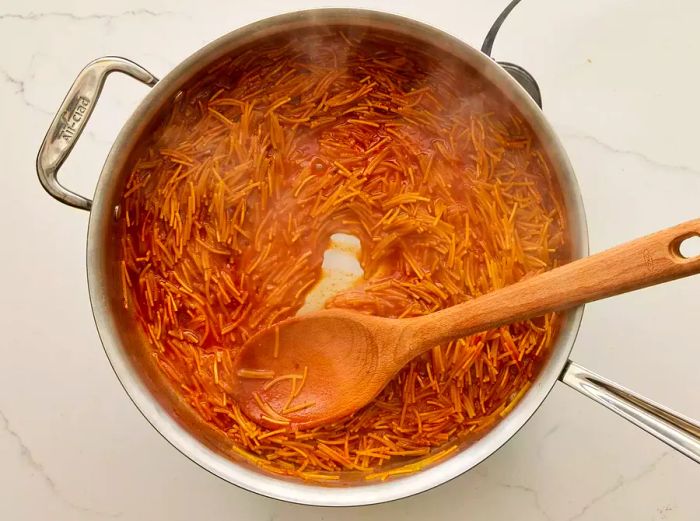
pixel 647 261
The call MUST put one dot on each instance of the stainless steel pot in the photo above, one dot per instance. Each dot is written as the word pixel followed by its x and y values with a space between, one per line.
pixel 125 345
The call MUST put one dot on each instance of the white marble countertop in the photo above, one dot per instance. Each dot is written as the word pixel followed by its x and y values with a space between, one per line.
pixel 620 85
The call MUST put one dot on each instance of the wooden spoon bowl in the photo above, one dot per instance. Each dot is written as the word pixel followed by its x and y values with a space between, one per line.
pixel 304 362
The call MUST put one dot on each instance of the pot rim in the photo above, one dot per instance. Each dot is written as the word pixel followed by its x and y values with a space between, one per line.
pixel 236 472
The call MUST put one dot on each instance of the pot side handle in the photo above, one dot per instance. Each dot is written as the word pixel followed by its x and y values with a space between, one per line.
pixel 676 430
pixel 518 73
pixel 71 118
pixel 487 46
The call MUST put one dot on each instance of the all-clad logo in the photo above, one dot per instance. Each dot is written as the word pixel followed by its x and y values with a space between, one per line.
pixel 74 118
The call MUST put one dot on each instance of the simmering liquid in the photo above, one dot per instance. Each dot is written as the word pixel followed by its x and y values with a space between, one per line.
pixel 233 199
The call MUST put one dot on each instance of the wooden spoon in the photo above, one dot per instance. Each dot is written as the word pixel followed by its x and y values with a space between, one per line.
pixel 317 368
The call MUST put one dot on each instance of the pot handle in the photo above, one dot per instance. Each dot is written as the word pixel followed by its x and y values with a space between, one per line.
pixel 519 74
pixel 676 430
pixel 487 46
pixel 71 119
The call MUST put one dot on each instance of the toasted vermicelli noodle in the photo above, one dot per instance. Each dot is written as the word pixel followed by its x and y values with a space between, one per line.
pixel 232 199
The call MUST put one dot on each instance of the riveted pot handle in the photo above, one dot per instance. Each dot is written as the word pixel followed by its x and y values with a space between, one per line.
pixel 677 431
pixel 71 119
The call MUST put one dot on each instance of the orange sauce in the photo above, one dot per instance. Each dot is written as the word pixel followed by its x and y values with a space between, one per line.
pixel 234 196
